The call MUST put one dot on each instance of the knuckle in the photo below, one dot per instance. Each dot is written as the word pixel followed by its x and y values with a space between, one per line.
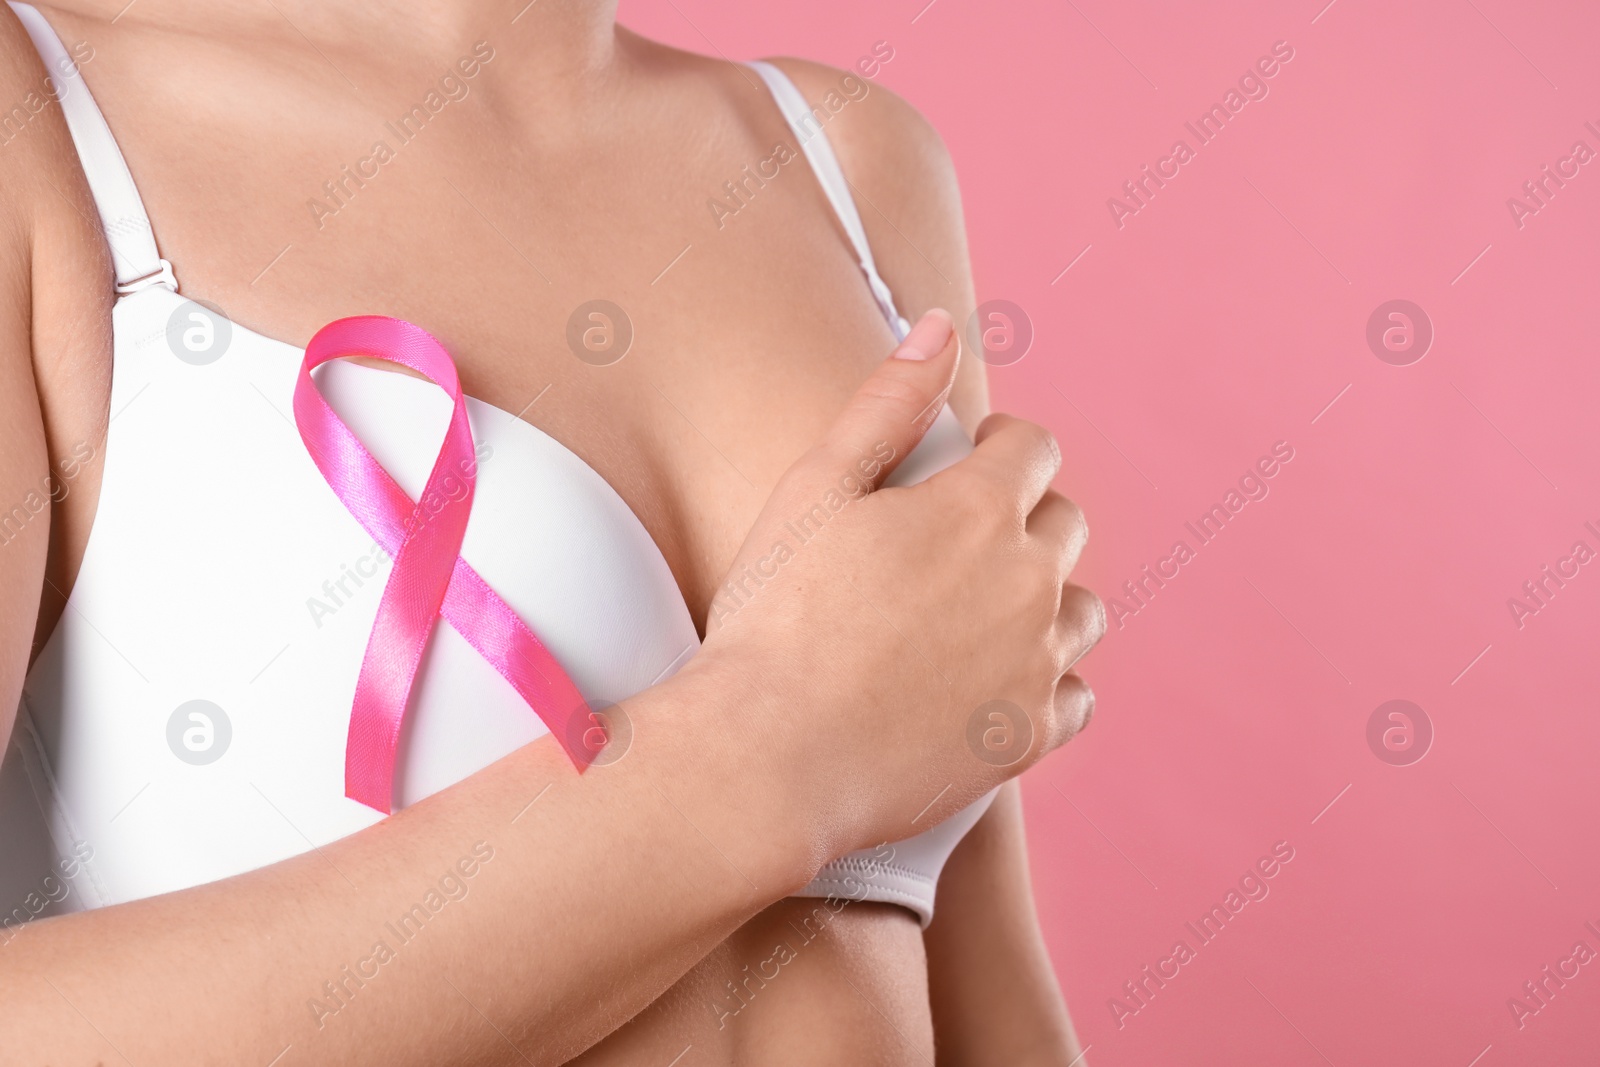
pixel 1062 528
pixel 1098 629
pixel 1075 703
pixel 1029 441
pixel 1083 610
pixel 992 424
pixel 1080 521
pixel 1044 443
pixel 897 394
pixel 1085 707
pixel 1075 525
pixel 1082 624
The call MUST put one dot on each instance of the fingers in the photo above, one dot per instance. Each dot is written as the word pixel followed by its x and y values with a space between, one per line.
pixel 1074 707
pixel 893 408
pixel 1080 624
pixel 1020 455
pixel 1058 523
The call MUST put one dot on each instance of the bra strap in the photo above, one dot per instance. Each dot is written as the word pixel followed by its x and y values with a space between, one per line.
pixel 819 153
pixel 133 246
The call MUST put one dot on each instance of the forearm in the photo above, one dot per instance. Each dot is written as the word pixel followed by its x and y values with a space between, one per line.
pixel 600 891
pixel 995 997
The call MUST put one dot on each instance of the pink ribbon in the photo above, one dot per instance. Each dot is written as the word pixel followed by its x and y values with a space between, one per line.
pixel 429 577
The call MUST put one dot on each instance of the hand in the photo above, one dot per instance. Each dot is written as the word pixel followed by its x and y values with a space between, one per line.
pixel 868 625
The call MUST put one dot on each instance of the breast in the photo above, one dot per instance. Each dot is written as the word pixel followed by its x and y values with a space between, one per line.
pixel 223 579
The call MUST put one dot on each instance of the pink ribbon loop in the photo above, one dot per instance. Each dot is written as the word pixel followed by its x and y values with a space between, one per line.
pixel 429 577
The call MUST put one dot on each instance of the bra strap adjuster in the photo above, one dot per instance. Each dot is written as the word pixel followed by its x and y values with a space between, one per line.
pixel 164 276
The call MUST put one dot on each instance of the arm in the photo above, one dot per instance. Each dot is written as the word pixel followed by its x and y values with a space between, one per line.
pixel 535 876
pixel 995 998
pixel 994 995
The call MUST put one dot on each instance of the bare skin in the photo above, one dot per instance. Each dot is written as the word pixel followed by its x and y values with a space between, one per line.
pixel 579 166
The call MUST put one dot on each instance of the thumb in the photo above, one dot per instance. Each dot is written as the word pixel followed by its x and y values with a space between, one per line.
pixel 880 425
pixel 894 407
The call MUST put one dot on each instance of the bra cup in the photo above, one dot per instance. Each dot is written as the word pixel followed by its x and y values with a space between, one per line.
pixel 224 579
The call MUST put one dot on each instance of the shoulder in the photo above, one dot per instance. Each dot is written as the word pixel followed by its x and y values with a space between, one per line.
pixel 882 141
pixel 49 225
pixel 904 181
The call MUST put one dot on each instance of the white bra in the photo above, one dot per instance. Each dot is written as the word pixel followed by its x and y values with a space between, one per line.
pixel 186 720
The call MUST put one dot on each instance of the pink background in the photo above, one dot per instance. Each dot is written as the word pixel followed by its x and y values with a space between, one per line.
pixel 1222 318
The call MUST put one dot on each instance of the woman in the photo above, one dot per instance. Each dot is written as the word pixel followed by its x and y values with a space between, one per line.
pixel 491 173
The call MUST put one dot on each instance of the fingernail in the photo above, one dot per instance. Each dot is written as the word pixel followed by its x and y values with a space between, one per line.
pixel 927 338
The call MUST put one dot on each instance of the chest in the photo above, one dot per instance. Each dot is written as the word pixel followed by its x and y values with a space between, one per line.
pixel 594 282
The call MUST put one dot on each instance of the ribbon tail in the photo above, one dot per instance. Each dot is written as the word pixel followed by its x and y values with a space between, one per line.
pixel 499 635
